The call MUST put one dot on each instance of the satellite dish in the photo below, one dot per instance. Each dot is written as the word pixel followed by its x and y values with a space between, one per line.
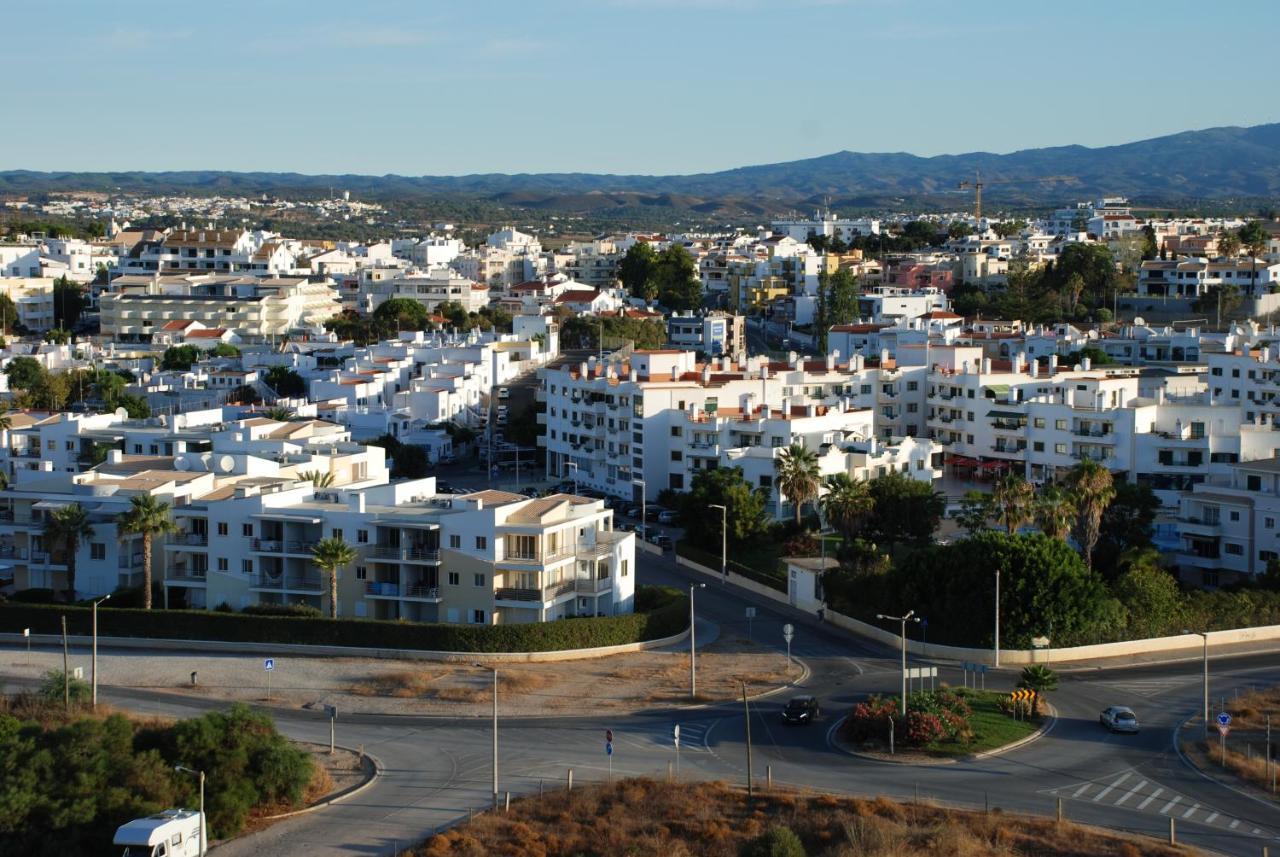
pixel 1139 321
pixel 226 464
pixel 182 463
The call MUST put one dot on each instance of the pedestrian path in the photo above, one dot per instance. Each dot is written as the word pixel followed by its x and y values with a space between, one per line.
pixel 1132 790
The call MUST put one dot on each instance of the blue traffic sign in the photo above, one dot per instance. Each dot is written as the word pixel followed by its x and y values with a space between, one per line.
pixel 1224 719
pixel 608 748
pixel 269 664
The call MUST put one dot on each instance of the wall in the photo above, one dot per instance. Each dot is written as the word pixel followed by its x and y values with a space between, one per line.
pixel 737 580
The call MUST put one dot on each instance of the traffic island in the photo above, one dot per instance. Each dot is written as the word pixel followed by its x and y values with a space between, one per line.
pixel 943 726
pixel 1237 749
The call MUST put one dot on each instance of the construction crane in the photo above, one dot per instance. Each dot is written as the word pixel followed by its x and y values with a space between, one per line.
pixel 978 184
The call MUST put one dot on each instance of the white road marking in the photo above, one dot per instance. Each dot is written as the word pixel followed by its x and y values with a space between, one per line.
pixel 1257 832
pixel 1210 819
pixel 1191 811
pixel 1084 788
pixel 1108 789
pixel 1234 824
pixel 1155 794
pixel 1168 806
pixel 1131 792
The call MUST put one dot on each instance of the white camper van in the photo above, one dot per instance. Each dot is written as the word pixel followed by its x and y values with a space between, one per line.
pixel 171 833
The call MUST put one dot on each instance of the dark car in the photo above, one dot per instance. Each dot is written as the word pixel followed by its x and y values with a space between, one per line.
pixel 632 511
pixel 801 709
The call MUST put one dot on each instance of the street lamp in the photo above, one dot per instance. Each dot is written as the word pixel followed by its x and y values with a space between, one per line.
pixel 1205 636
pixel 644 527
pixel 93 667
pixel 724 540
pixel 693 675
pixel 996 650
pixel 903 620
pixel 495 730
pixel 203 830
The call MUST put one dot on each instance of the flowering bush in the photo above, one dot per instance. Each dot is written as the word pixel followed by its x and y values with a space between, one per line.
pixel 870 720
pixel 922 728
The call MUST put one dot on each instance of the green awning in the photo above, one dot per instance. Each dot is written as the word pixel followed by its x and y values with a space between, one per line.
pixel 998 389
pixel 1006 415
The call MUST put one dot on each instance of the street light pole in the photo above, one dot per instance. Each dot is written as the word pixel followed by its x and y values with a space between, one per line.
pixel 693 673
pixel 724 540
pixel 902 620
pixel 203 823
pixel 93 666
pixel 996 650
pixel 1204 635
pixel 495 731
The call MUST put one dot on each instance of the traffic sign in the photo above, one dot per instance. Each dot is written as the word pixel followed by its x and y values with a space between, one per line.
pixel 608 736
pixel 788 632
pixel 751 612
pixel 675 734
pixel 608 748
pixel 26 632
pixel 269 664
pixel 1224 719
pixel 1223 729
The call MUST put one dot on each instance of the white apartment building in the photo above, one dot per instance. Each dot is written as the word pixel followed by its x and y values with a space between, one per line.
pixel 1228 528
pixel 890 303
pixel 33 298
pixel 211 251
pixel 507 257
pixel 1194 276
pixel 826 223
pixel 430 288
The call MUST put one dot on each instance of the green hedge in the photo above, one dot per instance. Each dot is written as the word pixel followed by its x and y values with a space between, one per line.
pixel 664 621
pixel 712 561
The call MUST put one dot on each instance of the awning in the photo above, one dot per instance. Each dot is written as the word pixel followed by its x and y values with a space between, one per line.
pixel 52 505
pixel 998 389
pixel 1006 415
pixel 963 461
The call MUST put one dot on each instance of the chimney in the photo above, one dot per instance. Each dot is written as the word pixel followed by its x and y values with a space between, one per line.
pixel 986 366
pixel 632 375
pixel 675 373
pixel 115 456
pixel 1053 364
pixel 884 356
pixel 786 406
pixel 831 360
pixel 706 374
pixel 1086 364
pixel 582 370
pixel 726 364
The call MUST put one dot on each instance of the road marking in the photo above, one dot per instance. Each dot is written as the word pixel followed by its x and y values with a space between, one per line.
pixel 1191 811
pixel 1210 819
pixel 1131 792
pixel 1168 806
pixel 1084 788
pixel 1257 831
pixel 1155 794
pixel 1108 789
pixel 1234 824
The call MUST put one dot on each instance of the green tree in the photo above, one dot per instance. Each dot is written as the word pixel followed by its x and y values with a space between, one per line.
pixel 1012 502
pixel 725 486
pixel 401 314
pixel 147 517
pixel 1092 487
pixel 1229 245
pixel 68 302
pixel 1039 679
pixel 225 349
pixel 1154 605
pixel 1254 238
pixel 317 478
pixel 837 302
pixel 776 842
pixel 179 358
pixel 24 372
pixel 1055 510
pixel 67 527
pixel 1128 524
pixel 975 511
pixel 8 314
pixel 676 275
pixel 57 336
pixel 1150 246
pixel 330 555
pixel 280 414
pixel 584 332
pixel 797 476
pixel 286 382
pixel 638 271
pixel 846 504
pixel 904 510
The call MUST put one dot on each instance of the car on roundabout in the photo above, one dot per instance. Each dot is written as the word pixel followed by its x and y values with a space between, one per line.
pixel 1119 718
pixel 801 710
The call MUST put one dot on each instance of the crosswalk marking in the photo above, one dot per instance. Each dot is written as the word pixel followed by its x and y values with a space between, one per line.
pixel 1210 819
pixel 1234 824
pixel 1191 811
pixel 1108 789
pixel 1155 794
pixel 1131 792
pixel 1084 788
pixel 1168 806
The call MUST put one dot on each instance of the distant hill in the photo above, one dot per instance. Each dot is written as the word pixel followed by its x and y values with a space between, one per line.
pixel 1213 164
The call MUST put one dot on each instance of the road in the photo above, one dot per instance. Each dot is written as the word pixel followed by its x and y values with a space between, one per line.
pixel 436 769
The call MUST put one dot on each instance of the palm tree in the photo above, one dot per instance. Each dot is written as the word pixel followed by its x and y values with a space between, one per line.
pixel 1229 245
pixel 846 503
pixel 67 527
pixel 1012 499
pixel 5 422
pixel 316 478
pixel 1039 679
pixel 280 414
pixel 1055 510
pixel 146 517
pixel 331 555
pixel 798 476
pixel 1092 488
pixel 1254 238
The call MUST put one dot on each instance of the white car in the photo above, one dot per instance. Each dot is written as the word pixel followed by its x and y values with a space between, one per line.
pixel 1119 718
pixel 504 393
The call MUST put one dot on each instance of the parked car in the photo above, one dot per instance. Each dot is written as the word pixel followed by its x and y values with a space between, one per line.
pixel 664 541
pixel 444 487
pixel 632 511
pixel 504 392
pixel 625 528
pixel 801 709
pixel 666 516
pixel 448 459
pixel 1119 718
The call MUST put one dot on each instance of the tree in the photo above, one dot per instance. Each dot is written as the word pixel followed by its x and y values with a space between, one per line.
pixel 1229 245
pixel 1039 679
pixel 1127 524
pixel 1150 246
pixel 316 478
pixel 68 302
pixel 68 527
pixel 846 503
pixel 1092 488
pixel 286 382
pixel 1255 239
pixel 244 395
pixel 903 510
pixel 401 314
pixel 975 511
pixel 837 302
pixel 332 554
pixel 225 349
pixel 798 477
pixel 57 336
pixel 1154 605
pixel 8 314
pixel 179 358
pixel 147 517
pixel 776 842
pixel 1012 502
pixel 726 486
pixel 281 414
pixel 637 271
pixel 676 275
pixel 24 372
pixel 1054 511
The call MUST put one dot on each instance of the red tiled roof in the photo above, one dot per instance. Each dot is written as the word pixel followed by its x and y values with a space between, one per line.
pixel 210 333
pixel 578 296
pixel 177 324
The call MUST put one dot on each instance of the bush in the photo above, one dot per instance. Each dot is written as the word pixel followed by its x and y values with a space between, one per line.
pixel 869 721
pixel 304 610
pixel 776 842
pixel 649 598
pixel 34 596
pixel 53 691
pixel 922 728
pixel 660 622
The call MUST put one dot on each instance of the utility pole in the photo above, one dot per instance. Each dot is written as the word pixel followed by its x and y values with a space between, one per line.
pixel 746 710
pixel 66 675
pixel 996 651
pixel 910 616
pixel 724 540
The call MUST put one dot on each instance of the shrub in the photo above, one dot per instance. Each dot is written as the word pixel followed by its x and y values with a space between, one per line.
pixel 650 598
pixel 869 721
pixel 34 596
pixel 922 728
pixel 305 610
pixel 53 690
pixel 776 842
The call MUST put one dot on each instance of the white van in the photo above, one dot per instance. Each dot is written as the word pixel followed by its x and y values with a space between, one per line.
pixel 170 833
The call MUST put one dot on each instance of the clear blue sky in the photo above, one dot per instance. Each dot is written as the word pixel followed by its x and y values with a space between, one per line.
pixel 621 86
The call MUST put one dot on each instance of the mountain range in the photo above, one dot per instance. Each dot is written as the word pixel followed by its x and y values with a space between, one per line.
pixel 1211 164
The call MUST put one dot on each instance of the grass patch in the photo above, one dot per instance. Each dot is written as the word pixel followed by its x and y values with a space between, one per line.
pixel 714 820
pixel 992 728
pixel 985 727
pixel 407 684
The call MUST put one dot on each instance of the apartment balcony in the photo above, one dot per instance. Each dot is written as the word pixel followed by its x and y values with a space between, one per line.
pixel 45 560
pixel 12 552
pixel 185 576
pixel 416 592
pixel 279 546
pixel 533 597
pixel 1083 432
pixel 127 562
pixel 593 586
pixel 287 583
pixel 1007 425
pixel 1190 526
pixel 405 554
pixel 1081 455
pixel 187 540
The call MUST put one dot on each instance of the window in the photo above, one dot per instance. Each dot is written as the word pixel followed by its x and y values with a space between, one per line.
pixel 453 578
pixel 482 542
pixel 336 533
pixel 222 563
pixel 70 445
pixel 1269 523
pixel 1038 422
pixel 1267 556
pixel 97 550
pixel 1233 549
pixel 1060 425
pixel 968 439
pixel 479 579
pixel 455 542
pixel 1235 516
pixel 362 573
pixel 675 431
pixel 1037 446
pixel 866 389
pixel 222 528
pixel 362 537
pixel 625 568
pixel 912 386
pixel 246 530
pixel 677 455
pixel 53 444
pixel 1253 482
pixel 766 481
pixel 477 617
pixel 1060 448
pixel 677 482
pixel 246 565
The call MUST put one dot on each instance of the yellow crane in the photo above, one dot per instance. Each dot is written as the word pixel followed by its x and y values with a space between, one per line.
pixel 978 184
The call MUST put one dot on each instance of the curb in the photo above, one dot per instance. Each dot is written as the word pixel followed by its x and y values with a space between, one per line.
pixel 1051 720
pixel 371 776
pixel 805 672
pixel 1177 748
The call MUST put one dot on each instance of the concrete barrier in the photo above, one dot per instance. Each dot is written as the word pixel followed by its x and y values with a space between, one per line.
pixel 277 649
pixel 737 580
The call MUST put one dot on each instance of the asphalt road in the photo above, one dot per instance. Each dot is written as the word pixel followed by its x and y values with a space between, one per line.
pixel 436 769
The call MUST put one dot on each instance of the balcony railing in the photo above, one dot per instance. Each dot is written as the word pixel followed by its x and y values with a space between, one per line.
pixel 280 546
pixel 129 561
pixel 183 573
pixel 311 583
pixel 508 593
pixel 593 586
pixel 1084 432
pixel 12 552
pixel 190 539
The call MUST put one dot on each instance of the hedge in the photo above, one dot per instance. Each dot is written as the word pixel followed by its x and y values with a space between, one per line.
pixel 664 621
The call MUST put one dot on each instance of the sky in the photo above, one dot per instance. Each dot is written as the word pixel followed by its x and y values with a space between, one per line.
pixel 611 86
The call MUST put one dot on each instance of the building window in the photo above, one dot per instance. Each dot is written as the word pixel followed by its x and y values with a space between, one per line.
pixel 455 542
pixel 968 439
pixel 479 580
pixel 477 617
pixel 97 550
pixel 336 533
pixel 362 537
pixel 362 573
pixel 246 565
pixel 1253 482
pixel 1233 549
pixel 675 431
pixel 482 542
pixel 1269 523
pixel 1060 448
pixel 246 530
pixel 1235 516
pixel 677 455
pixel 1038 422
pixel 1060 425
pixel 223 563
pixel 222 528
pixel 1037 446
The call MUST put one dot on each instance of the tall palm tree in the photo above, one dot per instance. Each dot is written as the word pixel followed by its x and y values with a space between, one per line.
pixel 1255 239
pixel 798 477
pixel 846 503
pixel 331 555
pixel 68 527
pixel 1055 509
pixel 316 478
pixel 1092 488
pixel 147 517
pixel 1012 499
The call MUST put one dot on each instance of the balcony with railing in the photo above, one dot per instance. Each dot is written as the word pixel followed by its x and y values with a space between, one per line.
pixel 188 540
pixel 129 561
pixel 283 582
pixel 1190 525
pixel 593 585
pixel 405 554
pixel 185 575
pixel 12 552
pixel 280 546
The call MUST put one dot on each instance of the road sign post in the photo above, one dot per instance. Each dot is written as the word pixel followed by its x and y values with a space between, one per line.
pixel 332 711
pixel 1224 727
pixel 675 737
pixel 26 632
pixel 269 665
pixel 608 750
pixel 751 615
pixel 787 633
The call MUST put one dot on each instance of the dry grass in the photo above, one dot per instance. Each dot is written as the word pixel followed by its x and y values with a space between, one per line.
pixel 1248 767
pixel 1249 710
pixel 713 820
pixel 406 684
